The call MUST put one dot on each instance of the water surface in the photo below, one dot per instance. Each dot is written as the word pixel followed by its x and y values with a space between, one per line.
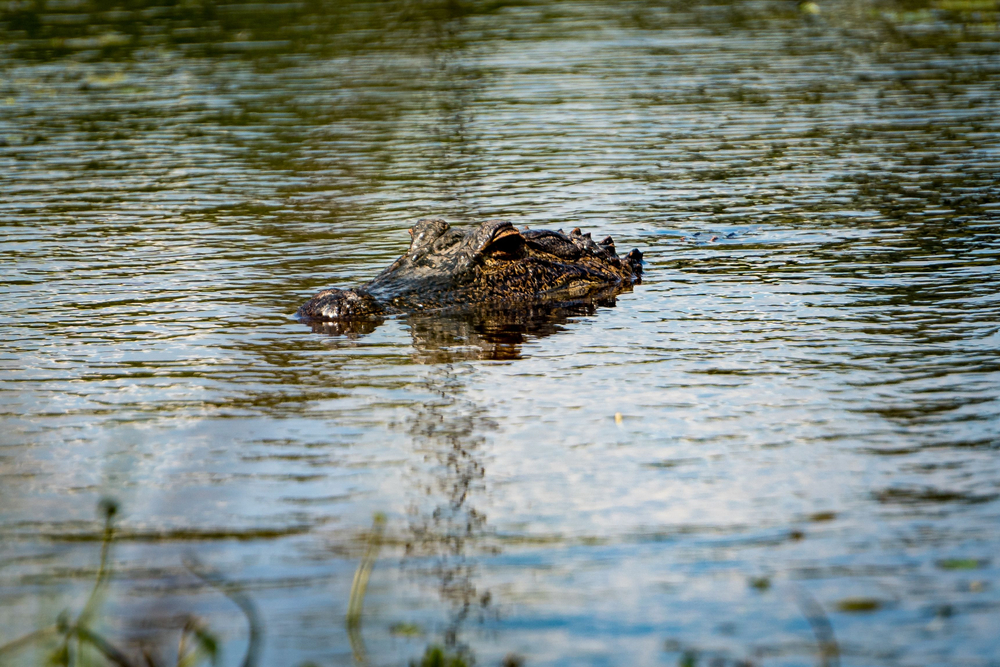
pixel 799 409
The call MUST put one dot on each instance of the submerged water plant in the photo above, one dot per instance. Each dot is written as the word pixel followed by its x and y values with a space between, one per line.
pixel 435 656
pixel 79 643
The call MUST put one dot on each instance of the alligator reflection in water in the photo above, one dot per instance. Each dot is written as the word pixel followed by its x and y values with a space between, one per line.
pixel 487 332
pixel 493 333
pixel 445 529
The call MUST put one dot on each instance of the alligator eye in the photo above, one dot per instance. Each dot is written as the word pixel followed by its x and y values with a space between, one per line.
pixel 507 241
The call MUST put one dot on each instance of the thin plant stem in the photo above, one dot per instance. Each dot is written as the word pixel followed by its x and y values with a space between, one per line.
pixel 364 571
pixel 829 650
pixel 110 509
pixel 21 642
pixel 235 593
pixel 359 586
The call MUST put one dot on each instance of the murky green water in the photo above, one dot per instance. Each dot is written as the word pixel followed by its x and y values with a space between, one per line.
pixel 807 384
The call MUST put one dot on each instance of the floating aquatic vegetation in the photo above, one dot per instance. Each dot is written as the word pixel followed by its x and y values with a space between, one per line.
pixel 858 605
pixel 960 564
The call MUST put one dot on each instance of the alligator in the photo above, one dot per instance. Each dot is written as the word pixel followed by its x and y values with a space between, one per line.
pixel 449 269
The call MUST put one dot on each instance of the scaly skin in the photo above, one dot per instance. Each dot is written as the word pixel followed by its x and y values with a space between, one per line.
pixel 447 268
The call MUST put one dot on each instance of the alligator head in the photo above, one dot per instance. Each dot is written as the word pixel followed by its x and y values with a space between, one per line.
pixel 447 268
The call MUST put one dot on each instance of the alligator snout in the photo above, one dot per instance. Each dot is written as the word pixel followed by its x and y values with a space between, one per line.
pixel 336 304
